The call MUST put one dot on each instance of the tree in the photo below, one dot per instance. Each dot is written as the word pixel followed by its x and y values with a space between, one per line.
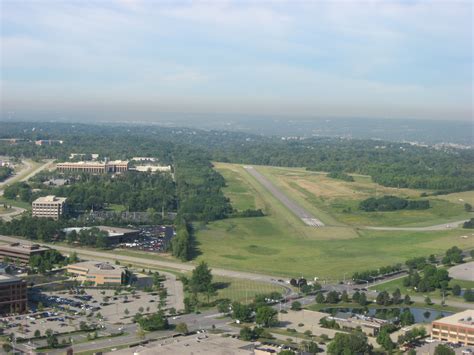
pixel 156 321
pixel 201 279
pixel 332 297
pixel 241 312
pixel 469 295
pixel 266 316
pixel 383 338
pixel 182 328
pixel 296 306
pixel 363 299
pixel 344 296
pixel 407 300
pixel 126 311
pixel 246 334
pixel 224 305
pixel 428 301
pixel 407 318
pixel 37 333
pixel 468 207
pixel 320 298
pixel 353 343
pixel 442 349
pixel 397 296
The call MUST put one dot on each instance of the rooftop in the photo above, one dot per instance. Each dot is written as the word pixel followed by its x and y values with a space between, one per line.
pixel 23 248
pixel 49 199
pixel 8 278
pixel 465 319
pixel 112 231
pixel 98 267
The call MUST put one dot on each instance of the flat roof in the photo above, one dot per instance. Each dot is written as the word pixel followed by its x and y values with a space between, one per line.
pixel 8 278
pixel 465 319
pixel 112 231
pixel 23 248
pixel 192 344
pixel 49 199
pixel 98 267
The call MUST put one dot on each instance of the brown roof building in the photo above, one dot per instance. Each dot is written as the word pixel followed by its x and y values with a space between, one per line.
pixel 457 328
pixel 98 273
pixel 20 252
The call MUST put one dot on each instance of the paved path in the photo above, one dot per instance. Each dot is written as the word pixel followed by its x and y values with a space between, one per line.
pixel 47 164
pixel 448 225
pixel 9 216
pixel 183 267
pixel 463 271
pixel 299 211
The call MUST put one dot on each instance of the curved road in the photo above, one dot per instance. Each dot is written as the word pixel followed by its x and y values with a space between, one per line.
pixel 100 255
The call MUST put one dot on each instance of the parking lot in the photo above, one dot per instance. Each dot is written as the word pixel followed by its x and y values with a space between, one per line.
pixel 152 239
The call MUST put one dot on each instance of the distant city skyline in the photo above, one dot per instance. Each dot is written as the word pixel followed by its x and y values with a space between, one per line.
pixel 141 60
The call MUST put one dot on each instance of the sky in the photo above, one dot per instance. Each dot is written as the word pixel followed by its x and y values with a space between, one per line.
pixel 142 59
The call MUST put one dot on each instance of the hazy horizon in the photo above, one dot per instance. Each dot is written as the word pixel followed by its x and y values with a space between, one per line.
pixel 129 60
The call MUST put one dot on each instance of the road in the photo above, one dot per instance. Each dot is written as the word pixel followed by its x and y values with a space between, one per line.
pixel 182 267
pixel 9 216
pixel 297 210
pixel 438 227
pixel 37 170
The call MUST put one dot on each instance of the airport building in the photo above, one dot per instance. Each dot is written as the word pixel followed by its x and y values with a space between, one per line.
pixel 49 207
pixel 13 295
pixel 457 328
pixel 16 252
pixel 114 166
pixel 98 273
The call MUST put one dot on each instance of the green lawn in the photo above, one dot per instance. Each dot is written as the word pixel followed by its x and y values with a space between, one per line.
pixel 281 244
pixel 391 286
pixel 336 202
pixel 241 290
pixel 8 202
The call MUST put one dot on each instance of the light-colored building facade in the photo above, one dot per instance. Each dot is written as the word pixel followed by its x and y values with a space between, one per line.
pixel 49 207
pixel 20 253
pixel 98 273
pixel 457 328
pixel 92 167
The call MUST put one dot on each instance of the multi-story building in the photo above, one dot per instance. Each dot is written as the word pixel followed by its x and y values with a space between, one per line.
pixel 13 295
pixel 114 166
pixel 98 273
pixel 457 328
pixel 49 207
pixel 20 253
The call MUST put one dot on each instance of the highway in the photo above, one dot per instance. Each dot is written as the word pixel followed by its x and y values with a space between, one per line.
pixel 297 210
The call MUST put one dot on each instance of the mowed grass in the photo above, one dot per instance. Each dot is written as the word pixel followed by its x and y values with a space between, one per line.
pixel 336 202
pixel 241 290
pixel 391 286
pixel 280 244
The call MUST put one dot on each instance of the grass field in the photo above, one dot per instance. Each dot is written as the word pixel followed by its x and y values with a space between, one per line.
pixel 4 210
pixel 241 290
pixel 337 201
pixel 281 244
pixel 391 286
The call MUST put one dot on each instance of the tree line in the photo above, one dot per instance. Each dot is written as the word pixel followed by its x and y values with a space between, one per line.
pixel 392 203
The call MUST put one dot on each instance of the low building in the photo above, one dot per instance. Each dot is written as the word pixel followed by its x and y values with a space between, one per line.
pixel 49 207
pixel 115 235
pixel 20 253
pixel 369 325
pixel 457 328
pixel 97 273
pixel 13 295
pixel 153 168
pixel 93 167
pixel 49 142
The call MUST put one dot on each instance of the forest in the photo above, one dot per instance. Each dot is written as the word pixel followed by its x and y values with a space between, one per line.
pixel 5 172
pixel 389 163
pixel 392 203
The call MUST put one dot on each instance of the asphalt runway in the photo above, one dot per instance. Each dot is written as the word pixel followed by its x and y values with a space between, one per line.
pixel 297 210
